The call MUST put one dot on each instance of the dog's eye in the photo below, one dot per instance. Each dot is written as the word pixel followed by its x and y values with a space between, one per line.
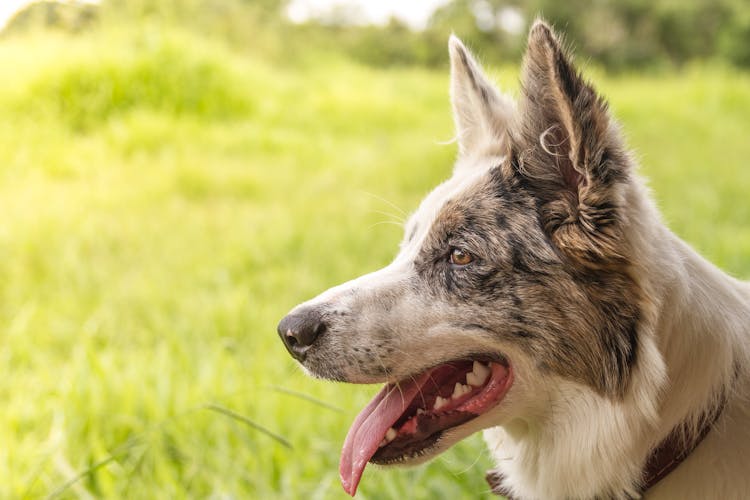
pixel 460 257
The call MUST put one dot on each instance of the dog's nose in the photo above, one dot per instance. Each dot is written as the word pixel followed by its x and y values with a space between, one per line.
pixel 300 329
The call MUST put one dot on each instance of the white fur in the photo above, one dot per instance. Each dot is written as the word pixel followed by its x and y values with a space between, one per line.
pixel 699 333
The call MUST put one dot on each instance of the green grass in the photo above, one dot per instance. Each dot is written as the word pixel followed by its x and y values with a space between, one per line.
pixel 165 200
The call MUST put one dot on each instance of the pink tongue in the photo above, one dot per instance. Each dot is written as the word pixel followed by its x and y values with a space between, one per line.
pixel 370 426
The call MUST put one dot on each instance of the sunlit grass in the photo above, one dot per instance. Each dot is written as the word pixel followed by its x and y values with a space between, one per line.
pixel 166 200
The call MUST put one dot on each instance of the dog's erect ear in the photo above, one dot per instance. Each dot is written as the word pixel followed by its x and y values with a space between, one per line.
pixel 481 112
pixel 568 150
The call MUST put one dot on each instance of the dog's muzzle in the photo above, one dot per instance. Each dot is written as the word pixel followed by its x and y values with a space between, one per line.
pixel 300 329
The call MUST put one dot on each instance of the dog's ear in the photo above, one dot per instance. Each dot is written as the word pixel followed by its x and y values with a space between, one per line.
pixel 569 153
pixel 481 112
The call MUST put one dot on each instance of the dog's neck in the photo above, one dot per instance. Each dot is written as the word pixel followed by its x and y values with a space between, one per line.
pixel 588 446
pixel 666 457
pixel 705 316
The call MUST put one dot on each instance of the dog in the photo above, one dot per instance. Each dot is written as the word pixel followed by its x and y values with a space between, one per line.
pixel 538 296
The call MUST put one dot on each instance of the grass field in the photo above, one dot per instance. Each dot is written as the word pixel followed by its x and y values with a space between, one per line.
pixel 166 199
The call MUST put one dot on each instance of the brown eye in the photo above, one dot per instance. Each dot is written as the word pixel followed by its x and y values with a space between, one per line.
pixel 460 258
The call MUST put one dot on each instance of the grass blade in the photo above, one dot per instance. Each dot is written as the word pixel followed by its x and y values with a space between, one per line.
pixel 101 463
pixel 241 418
pixel 306 397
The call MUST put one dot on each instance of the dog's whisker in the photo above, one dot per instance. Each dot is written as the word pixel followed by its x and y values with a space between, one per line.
pixel 388 202
pixel 394 217
pixel 420 393
pixel 450 141
pixel 470 466
pixel 403 399
pixel 380 361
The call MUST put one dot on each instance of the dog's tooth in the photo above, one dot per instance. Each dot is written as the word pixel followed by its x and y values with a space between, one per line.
pixel 473 379
pixel 439 403
pixel 481 371
pixel 458 391
pixel 465 389
pixel 383 443
pixel 390 434
pixel 420 411
pixel 479 367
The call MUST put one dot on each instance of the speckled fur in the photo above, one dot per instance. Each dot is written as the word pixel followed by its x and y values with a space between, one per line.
pixel 616 330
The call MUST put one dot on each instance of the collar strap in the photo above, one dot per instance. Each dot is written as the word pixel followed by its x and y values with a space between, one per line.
pixel 675 448
pixel 663 459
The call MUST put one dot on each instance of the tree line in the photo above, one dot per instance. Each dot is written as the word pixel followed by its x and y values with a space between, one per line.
pixel 616 34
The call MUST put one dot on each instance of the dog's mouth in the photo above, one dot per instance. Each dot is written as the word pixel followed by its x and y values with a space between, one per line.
pixel 407 418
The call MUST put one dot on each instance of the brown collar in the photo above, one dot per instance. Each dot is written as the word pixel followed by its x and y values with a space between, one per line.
pixel 663 459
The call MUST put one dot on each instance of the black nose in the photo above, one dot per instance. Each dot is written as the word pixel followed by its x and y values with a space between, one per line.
pixel 300 329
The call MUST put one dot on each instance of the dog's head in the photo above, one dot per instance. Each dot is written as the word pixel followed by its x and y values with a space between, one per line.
pixel 514 272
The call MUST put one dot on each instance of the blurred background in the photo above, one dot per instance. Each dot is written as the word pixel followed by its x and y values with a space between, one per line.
pixel 176 175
